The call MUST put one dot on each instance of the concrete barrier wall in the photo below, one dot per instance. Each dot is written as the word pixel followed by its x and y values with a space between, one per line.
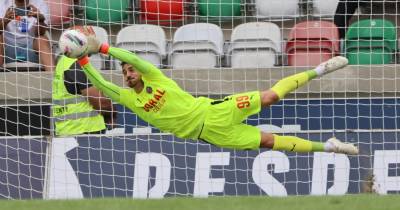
pixel 352 81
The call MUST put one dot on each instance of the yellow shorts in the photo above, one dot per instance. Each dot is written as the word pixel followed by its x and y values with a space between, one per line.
pixel 223 125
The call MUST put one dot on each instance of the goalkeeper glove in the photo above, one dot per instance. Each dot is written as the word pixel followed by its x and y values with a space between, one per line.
pixel 93 43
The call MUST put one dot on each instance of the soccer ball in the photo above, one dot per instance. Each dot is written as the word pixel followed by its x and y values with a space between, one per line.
pixel 73 44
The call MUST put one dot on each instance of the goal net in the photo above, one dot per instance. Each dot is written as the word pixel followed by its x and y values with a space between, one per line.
pixel 211 48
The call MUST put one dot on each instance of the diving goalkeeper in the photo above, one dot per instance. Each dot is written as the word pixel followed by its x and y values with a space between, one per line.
pixel 161 102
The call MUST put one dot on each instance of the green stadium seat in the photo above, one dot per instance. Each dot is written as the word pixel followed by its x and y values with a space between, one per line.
pixel 371 41
pixel 106 11
pixel 219 10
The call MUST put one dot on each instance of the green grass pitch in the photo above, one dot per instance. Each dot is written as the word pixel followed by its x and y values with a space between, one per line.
pixel 349 202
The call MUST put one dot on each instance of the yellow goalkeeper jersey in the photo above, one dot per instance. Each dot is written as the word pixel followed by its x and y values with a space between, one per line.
pixel 162 102
pixel 166 106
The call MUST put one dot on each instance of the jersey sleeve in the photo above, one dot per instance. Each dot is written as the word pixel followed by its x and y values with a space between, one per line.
pixel 109 89
pixel 146 68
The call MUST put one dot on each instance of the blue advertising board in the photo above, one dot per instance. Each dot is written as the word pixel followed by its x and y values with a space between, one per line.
pixel 313 114
pixel 22 167
pixel 161 165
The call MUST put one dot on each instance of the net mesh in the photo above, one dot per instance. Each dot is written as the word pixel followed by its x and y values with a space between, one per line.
pixel 211 48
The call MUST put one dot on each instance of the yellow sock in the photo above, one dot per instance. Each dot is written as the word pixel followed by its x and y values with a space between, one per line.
pixel 296 144
pixel 290 83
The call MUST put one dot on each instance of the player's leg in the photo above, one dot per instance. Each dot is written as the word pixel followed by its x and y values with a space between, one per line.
pixel 296 144
pixel 291 83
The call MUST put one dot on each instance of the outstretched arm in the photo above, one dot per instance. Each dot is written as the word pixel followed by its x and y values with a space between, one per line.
pixel 144 67
pixel 94 46
pixel 109 89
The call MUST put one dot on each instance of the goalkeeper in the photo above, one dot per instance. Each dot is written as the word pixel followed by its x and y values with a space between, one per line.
pixel 161 102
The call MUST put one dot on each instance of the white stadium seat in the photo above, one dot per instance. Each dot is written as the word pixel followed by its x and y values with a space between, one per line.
pixel 324 8
pixel 24 66
pixel 147 41
pixel 197 46
pixel 254 45
pixel 277 9
pixel 98 60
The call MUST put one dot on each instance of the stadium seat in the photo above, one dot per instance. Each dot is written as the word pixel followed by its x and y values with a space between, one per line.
pixel 254 45
pixel 148 42
pixel 324 8
pixel 219 10
pixel 60 11
pixel 99 60
pixel 371 41
pixel 162 12
pixel 22 66
pixel 312 42
pixel 197 46
pixel 107 11
pixel 277 9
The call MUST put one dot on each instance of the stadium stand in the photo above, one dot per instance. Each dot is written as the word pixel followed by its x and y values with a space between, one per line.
pixel 107 11
pixel 311 43
pixel 219 10
pixel 254 45
pixel 197 45
pixel 165 12
pixel 371 41
pixel 323 8
pixel 148 41
pixel 277 9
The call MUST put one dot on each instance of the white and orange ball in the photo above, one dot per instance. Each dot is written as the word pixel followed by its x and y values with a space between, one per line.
pixel 73 44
